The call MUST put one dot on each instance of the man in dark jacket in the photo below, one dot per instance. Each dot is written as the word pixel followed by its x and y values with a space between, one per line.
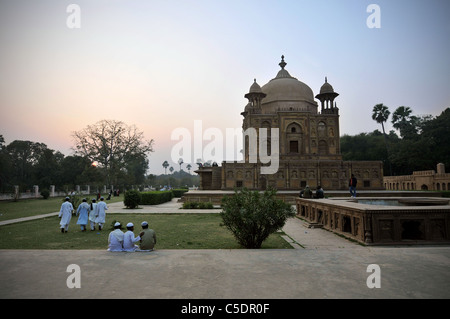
pixel 352 185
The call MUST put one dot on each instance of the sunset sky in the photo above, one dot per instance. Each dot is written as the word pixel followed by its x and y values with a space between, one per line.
pixel 161 65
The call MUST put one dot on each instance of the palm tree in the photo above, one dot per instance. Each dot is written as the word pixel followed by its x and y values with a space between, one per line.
pixel 180 161
pixel 189 166
pixel 171 169
pixel 380 114
pixel 165 165
pixel 403 121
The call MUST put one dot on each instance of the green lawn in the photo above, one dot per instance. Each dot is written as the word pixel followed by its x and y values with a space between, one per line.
pixel 32 207
pixel 173 231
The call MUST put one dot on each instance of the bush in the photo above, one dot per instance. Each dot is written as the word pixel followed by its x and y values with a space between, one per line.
pixel 132 198
pixel 195 205
pixel 179 192
pixel 45 193
pixel 252 216
pixel 156 197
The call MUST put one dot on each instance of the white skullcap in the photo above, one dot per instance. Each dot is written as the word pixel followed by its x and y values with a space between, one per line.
pixel 130 225
pixel 144 224
pixel 117 224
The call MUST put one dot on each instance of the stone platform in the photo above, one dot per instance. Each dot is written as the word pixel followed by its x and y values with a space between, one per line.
pixel 215 196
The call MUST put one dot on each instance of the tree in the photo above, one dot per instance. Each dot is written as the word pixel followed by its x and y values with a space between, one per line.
pixel 406 123
pixel 111 143
pixel 380 114
pixel 435 133
pixel 189 166
pixel 180 162
pixel 165 165
pixel 252 216
pixel 171 169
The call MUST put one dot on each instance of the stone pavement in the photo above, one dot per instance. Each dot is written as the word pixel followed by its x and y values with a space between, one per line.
pixel 323 265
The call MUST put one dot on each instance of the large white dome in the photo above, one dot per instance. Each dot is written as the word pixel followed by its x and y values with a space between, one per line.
pixel 285 92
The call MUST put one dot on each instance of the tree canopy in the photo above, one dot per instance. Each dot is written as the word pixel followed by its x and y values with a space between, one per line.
pixel 421 145
pixel 115 146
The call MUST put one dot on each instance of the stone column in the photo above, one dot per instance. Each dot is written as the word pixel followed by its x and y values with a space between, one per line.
pixel 52 190
pixel 16 192
pixel 36 191
pixel 77 189
pixel 88 189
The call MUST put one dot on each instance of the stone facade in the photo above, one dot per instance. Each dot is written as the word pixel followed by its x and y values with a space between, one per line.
pixel 424 221
pixel 308 142
pixel 420 180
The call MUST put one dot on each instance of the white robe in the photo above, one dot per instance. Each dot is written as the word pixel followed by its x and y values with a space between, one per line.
pixel 66 213
pixel 100 212
pixel 115 240
pixel 93 212
pixel 129 240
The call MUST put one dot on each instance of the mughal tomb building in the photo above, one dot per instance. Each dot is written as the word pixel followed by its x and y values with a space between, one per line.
pixel 309 147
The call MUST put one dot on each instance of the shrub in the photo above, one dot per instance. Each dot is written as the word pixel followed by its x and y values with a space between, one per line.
pixel 179 192
pixel 190 205
pixel 195 205
pixel 45 193
pixel 132 198
pixel 156 197
pixel 252 216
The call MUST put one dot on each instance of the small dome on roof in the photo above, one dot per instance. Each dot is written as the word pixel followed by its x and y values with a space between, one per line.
pixel 326 87
pixel 255 88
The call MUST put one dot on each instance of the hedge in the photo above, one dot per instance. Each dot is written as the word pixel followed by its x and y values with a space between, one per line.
pixel 179 192
pixel 198 205
pixel 156 197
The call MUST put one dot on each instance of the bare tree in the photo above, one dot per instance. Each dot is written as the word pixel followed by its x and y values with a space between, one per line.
pixel 111 143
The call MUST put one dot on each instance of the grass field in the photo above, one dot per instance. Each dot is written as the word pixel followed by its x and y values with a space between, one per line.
pixel 32 207
pixel 173 231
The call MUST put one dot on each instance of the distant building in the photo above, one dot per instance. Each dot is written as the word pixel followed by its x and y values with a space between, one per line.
pixel 309 146
pixel 420 180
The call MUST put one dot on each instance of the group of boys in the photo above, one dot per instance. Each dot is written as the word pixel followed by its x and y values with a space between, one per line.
pixel 120 241
pixel 95 213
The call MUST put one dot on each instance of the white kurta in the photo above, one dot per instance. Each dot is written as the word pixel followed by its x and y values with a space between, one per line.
pixel 115 240
pixel 93 212
pixel 129 240
pixel 65 213
pixel 83 210
pixel 101 212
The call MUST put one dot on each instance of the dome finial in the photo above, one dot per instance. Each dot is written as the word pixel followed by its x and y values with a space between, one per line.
pixel 282 64
pixel 326 80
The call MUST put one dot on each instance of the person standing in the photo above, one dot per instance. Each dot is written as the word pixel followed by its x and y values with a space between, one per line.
pixel 65 213
pixel 148 237
pixel 352 185
pixel 129 239
pixel 92 214
pixel 115 239
pixel 83 210
pixel 101 213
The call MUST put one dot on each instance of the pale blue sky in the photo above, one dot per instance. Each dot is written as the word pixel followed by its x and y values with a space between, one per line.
pixel 163 64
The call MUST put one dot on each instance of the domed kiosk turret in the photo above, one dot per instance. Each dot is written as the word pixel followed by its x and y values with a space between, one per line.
pixel 326 97
pixel 254 96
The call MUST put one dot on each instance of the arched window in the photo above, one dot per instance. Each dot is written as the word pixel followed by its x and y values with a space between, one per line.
pixel 322 129
pixel 293 138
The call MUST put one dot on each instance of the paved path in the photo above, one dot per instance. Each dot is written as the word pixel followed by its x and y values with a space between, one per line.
pixel 323 266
